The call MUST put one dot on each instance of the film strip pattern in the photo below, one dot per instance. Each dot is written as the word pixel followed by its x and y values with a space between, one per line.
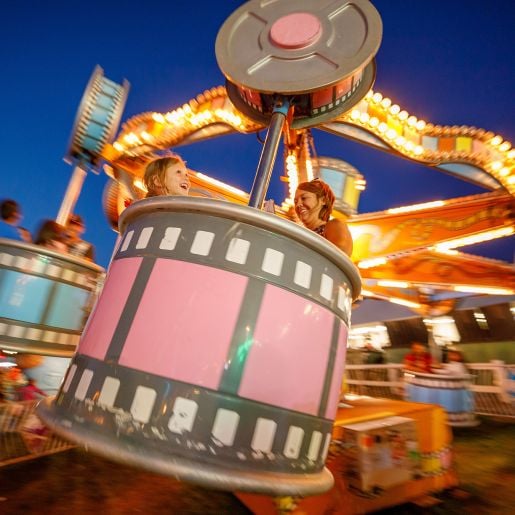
pixel 317 102
pixel 170 418
pixel 464 418
pixel 437 382
pixel 41 265
pixel 243 249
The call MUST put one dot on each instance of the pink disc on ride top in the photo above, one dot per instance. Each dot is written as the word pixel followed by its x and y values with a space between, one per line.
pixel 297 30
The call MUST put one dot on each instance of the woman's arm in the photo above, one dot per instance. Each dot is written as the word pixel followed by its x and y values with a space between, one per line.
pixel 337 232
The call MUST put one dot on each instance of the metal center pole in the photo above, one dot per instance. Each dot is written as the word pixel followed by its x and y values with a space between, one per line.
pixel 269 153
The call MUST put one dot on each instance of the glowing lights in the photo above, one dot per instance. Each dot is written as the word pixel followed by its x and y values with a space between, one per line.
pixel 395 109
pixel 292 172
pixel 360 184
pixel 505 146
pixel 221 184
pixel 496 165
pixel 138 183
pixel 228 117
pixel 309 169
pixel 496 140
pixel 118 146
pixel 416 207
pixel 131 138
pixel 377 97
pixel 158 117
pixel 420 125
pixel 419 150
pixel 370 263
pixel 392 284
pixel 403 302
pixel 386 103
pixel 483 289
pixel 475 238
pixel 511 154
pixel 355 114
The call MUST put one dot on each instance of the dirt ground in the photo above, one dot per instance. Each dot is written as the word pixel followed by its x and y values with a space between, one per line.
pixel 76 482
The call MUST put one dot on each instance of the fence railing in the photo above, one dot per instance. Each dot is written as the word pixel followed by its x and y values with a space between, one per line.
pixel 23 436
pixel 492 385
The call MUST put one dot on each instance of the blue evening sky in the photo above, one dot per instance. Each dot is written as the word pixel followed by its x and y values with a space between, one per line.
pixel 445 61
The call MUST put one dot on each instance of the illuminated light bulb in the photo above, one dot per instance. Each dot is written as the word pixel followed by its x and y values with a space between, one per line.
pixel 409 146
pixel 497 140
pixel 355 114
pixel 400 141
pixel 511 154
pixel 368 96
pixel 393 284
pixel 386 103
pixel 465 288
pixel 221 184
pixel 416 207
pixel 419 150
pixel 374 122
pixel 505 146
pixel 420 125
pixel 309 170
pixel 146 136
pixel 364 117
pixel 369 263
pixel 403 115
pixel 138 183
pixel 158 117
pixel 412 121
pixel 382 127
pixel 118 146
pixel 406 303
pixel 395 109
pixel 377 97
pixel 186 108
pixel 476 238
pixel 511 180
pixel 390 134
pixel 503 172
pixel 496 165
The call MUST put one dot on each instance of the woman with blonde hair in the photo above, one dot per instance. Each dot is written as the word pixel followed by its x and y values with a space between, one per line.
pixel 314 202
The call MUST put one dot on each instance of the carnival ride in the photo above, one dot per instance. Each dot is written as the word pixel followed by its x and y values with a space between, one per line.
pixel 172 404
pixel 406 254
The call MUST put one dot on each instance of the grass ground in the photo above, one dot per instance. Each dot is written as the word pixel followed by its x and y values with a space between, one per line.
pixel 75 482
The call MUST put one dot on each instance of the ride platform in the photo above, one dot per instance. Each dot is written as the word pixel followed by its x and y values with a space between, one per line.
pixel 435 467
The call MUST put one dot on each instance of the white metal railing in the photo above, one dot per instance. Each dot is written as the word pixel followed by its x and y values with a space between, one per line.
pixel 23 436
pixel 492 384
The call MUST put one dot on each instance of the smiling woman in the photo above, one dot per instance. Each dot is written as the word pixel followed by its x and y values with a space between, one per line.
pixel 167 176
pixel 313 205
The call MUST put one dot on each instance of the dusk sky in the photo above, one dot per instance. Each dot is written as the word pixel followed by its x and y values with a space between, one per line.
pixel 449 62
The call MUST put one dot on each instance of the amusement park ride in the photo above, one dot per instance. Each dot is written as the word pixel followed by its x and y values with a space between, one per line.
pixel 142 387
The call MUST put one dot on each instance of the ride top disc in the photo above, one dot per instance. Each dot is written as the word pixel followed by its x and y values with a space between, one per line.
pixel 320 53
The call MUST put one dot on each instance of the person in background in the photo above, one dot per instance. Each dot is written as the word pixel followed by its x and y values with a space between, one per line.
pixel 30 391
pixel 76 245
pixel 167 176
pixel 52 236
pixel 11 216
pixel 419 359
pixel 313 205
pixel 454 364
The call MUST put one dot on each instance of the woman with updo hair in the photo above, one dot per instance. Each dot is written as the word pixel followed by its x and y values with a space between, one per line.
pixel 314 202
